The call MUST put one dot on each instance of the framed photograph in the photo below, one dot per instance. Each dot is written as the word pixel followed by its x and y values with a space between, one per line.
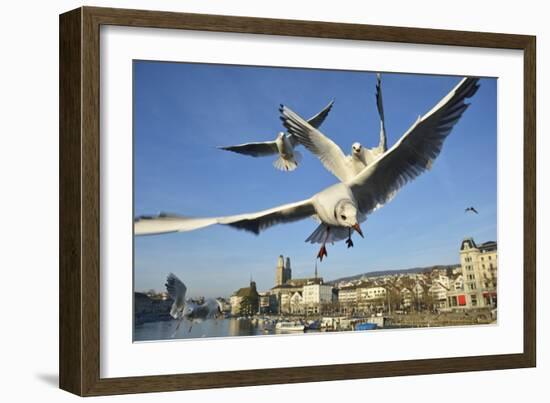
pixel 199 152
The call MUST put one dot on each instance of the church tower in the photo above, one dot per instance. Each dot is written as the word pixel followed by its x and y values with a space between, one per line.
pixel 280 271
pixel 283 273
pixel 288 270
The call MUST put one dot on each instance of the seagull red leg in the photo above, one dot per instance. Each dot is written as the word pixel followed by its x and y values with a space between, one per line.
pixel 323 250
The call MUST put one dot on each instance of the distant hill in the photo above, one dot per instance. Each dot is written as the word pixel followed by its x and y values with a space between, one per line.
pixel 380 273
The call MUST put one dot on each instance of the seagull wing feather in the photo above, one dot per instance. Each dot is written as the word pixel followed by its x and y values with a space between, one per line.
pixel 414 152
pixel 209 309
pixel 258 149
pixel 252 222
pixel 382 145
pixel 324 148
pixel 317 120
pixel 177 290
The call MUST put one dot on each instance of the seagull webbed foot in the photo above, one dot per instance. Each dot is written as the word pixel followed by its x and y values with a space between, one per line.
pixel 322 253
pixel 349 242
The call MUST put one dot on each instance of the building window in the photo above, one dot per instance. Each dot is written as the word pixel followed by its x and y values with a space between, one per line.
pixel 473 298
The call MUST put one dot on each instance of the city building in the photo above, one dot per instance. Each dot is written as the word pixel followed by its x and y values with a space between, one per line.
pixel 268 302
pixel 347 298
pixel 479 276
pixel 298 295
pixel 370 297
pixel 316 296
pixel 245 301
pixel 438 292
pixel 296 303
pixel 407 298
pixel 147 309
pixel 471 285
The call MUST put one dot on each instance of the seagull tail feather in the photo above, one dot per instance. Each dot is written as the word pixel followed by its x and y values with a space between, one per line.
pixel 286 164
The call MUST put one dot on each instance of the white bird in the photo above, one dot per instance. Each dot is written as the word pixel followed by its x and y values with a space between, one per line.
pixel 340 208
pixel 333 158
pixel 188 309
pixel 283 145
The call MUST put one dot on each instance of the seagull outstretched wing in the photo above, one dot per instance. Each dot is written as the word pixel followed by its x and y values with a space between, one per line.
pixel 324 148
pixel 372 154
pixel 177 290
pixel 257 149
pixel 414 152
pixel 382 145
pixel 266 148
pixel 317 120
pixel 253 222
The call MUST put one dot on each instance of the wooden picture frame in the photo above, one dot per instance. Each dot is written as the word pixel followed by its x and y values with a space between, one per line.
pixel 79 346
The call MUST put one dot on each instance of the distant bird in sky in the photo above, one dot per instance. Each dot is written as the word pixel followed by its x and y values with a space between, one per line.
pixel 333 158
pixel 473 210
pixel 340 208
pixel 188 309
pixel 283 145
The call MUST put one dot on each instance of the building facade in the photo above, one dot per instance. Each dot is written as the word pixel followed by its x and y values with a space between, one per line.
pixel 316 297
pixel 479 276
pixel 245 301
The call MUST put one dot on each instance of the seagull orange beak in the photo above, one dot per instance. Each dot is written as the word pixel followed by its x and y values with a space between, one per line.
pixel 357 228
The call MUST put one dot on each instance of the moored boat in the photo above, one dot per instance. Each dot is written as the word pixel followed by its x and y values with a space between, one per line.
pixel 365 326
pixel 290 326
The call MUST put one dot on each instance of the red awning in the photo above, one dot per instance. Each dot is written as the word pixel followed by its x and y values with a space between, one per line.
pixel 490 294
pixel 461 300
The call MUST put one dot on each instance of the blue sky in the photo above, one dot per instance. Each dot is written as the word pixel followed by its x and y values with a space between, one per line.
pixel 183 111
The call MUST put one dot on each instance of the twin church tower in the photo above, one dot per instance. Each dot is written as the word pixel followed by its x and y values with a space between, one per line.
pixel 283 273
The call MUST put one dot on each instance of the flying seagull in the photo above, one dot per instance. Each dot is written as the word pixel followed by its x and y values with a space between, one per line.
pixel 333 158
pixel 340 208
pixel 473 210
pixel 188 309
pixel 283 145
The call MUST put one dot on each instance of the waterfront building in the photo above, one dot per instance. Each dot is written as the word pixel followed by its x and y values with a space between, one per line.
pixel 479 270
pixel 418 290
pixel 407 298
pixel 372 293
pixel 477 285
pixel 282 294
pixel 316 296
pixel 347 298
pixel 245 301
pixel 438 292
pixel 268 302
pixel 442 279
pixel 370 297
pixel 147 309
pixel 296 303
pixel 297 295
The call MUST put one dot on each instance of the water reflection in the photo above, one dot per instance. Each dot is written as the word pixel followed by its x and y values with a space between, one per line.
pixel 231 327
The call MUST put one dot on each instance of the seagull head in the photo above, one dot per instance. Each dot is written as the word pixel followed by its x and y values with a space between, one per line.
pixel 280 135
pixel 188 311
pixel 346 215
pixel 356 149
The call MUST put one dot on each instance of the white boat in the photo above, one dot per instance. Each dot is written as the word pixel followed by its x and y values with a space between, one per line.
pixel 290 326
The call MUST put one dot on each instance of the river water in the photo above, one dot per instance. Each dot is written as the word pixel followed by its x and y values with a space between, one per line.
pixel 166 330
